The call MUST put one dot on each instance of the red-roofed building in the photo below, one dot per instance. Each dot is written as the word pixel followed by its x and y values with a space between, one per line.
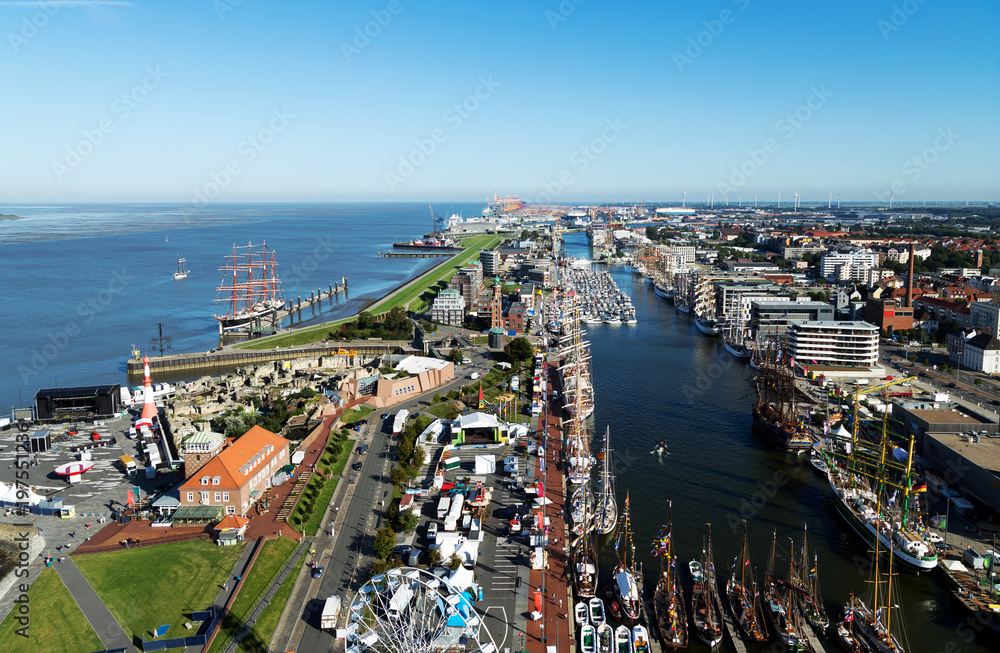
pixel 239 474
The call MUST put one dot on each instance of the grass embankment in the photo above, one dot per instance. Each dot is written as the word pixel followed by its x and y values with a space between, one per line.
pixel 271 560
pixel 309 509
pixel 57 624
pixel 401 297
pixel 147 587
pixel 354 414
pixel 268 620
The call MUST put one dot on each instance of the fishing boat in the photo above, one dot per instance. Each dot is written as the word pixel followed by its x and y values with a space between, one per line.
pixel 704 610
pixel 668 598
pixel 250 289
pixel 744 597
pixel 606 515
pixel 623 640
pixel 596 607
pixel 588 639
pixel 625 585
pixel 181 270
pixel 580 613
pixel 846 635
pixel 605 638
pixel 874 492
pixel 775 418
pixel 640 639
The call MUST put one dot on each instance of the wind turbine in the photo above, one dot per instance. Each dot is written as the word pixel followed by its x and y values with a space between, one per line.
pixel 890 200
pixel 829 202
pixel 755 200
pixel 838 201
pixel 779 200
pixel 684 196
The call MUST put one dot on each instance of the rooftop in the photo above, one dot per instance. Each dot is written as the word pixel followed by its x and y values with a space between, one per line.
pixel 985 453
pixel 77 391
pixel 417 364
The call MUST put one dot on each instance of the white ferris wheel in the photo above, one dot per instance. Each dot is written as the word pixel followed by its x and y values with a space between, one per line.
pixel 408 610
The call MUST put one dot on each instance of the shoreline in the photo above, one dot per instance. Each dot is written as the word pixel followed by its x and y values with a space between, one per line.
pixel 451 262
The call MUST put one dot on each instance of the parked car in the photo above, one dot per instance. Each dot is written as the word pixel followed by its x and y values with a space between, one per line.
pixel 363 449
pixel 385 415
pixel 357 466
pixel 317 571
pixel 402 550
pixel 953 385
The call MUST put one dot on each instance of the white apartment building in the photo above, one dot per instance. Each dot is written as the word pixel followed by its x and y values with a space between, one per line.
pixel 844 266
pixel 853 343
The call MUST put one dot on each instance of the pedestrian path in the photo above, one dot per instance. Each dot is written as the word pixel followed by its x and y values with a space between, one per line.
pixel 110 632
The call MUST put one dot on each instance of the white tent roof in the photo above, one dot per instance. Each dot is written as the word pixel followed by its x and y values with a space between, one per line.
pixel 478 421
pixel 11 494
pixel 462 578
pixel 417 364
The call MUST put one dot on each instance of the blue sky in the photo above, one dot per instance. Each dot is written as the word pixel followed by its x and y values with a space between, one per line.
pixel 195 101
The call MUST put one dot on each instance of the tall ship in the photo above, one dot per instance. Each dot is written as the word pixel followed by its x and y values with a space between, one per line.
pixel 668 598
pixel 775 419
pixel 250 288
pixel 875 493
pixel 735 341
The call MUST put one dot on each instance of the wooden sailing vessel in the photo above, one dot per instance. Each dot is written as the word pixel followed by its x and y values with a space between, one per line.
pixel 625 577
pixel 668 598
pixel 744 597
pixel 704 601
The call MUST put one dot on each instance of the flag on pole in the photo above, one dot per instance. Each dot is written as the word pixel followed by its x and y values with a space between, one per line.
pixel 920 488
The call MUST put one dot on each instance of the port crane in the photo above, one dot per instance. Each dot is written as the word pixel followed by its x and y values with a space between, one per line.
pixel 437 222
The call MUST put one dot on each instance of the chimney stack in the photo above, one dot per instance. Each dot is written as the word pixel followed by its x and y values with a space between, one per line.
pixel 909 280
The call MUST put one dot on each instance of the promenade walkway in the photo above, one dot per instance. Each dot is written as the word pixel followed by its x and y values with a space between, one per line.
pixel 108 630
pixel 554 629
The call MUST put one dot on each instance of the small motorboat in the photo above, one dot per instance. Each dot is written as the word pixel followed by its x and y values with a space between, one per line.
pixel 640 640
pixel 819 464
pixel 623 640
pixel 697 574
pixel 580 613
pixel 596 611
pixel 616 611
pixel 588 639
pixel 605 638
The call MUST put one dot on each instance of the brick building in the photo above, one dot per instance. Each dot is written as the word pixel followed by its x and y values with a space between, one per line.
pixel 239 475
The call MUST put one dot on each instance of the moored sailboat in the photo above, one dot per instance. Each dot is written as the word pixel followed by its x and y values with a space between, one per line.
pixel 668 598
pixel 743 596
pixel 704 601
pixel 625 585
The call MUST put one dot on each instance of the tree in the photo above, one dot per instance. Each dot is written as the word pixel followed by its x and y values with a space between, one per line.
pixel 419 457
pixel 366 321
pixel 434 557
pixel 456 355
pixel 385 539
pixel 454 562
pixel 398 476
pixel 519 349
pixel 408 520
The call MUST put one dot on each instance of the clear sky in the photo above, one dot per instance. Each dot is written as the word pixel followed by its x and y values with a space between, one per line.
pixel 248 100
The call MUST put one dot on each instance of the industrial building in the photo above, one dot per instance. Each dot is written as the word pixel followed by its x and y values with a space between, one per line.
pixel 78 402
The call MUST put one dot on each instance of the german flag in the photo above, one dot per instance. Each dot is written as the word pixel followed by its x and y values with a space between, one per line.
pixel 919 488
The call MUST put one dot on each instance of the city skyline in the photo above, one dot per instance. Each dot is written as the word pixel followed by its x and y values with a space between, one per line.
pixel 566 102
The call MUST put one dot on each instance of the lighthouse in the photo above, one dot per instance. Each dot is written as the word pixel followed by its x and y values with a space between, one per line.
pixel 149 410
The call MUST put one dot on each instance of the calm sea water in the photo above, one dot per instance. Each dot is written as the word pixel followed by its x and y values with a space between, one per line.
pixel 81 284
pixel 663 379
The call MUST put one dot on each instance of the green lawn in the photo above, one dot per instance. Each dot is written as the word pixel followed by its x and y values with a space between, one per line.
pixel 56 623
pixel 406 294
pixel 146 587
pixel 272 558
pixel 354 414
